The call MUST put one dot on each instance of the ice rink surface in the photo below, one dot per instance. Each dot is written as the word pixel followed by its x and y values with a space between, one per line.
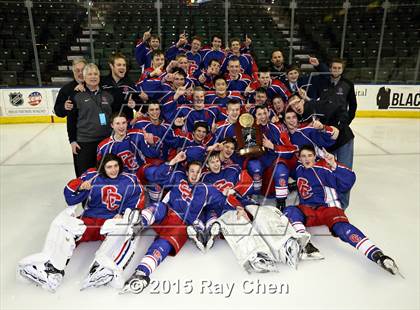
pixel 35 163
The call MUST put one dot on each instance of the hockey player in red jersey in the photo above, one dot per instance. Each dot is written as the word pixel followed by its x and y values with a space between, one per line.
pixel 319 183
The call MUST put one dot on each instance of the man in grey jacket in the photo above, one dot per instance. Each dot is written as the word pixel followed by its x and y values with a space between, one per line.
pixel 90 118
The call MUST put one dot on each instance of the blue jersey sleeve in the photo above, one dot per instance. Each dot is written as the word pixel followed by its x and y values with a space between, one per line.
pixel 134 197
pixel 72 194
pixel 140 52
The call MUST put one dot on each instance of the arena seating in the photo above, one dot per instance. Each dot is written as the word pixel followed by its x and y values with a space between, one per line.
pixel 60 34
pixel 56 26
pixel 401 40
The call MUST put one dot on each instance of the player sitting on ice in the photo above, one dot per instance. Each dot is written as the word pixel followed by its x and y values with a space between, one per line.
pixel 260 244
pixel 206 229
pixel 180 207
pixel 109 193
pixel 318 185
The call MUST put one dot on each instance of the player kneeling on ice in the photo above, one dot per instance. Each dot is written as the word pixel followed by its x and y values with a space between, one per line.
pixel 112 199
pixel 318 185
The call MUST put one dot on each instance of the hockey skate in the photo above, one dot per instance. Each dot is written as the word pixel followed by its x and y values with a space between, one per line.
pixel 292 186
pixel 386 263
pixel 261 263
pixel 310 252
pixel 292 251
pixel 211 235
pixel 136 283
pixel 45 275
pixel 197 236
pixel 281 204
pixel 98 276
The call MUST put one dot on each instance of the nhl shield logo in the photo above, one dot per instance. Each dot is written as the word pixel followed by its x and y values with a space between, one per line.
pixel 16 99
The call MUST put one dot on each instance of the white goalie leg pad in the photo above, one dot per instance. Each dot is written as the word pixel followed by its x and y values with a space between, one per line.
pixel 249 248
pixel 115 252
pixel 58 248
pixel 275 228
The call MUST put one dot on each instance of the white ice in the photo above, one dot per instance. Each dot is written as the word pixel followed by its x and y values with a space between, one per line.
pixel 35 163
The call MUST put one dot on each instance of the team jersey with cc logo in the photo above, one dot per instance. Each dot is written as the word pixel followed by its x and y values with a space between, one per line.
pixel 188 200
pixel 320 185
pixel 107 197
pixel 133 149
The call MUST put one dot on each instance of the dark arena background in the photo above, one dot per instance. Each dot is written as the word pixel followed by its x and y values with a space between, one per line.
pixel 41 43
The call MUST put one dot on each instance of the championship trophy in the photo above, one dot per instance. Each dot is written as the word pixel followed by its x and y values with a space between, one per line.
pixel 249 137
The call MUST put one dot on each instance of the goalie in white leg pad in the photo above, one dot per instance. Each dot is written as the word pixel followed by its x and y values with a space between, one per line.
pixel 274 227
pixel 116 250
pixel 249 248
pixel 108 192
pixel 47 267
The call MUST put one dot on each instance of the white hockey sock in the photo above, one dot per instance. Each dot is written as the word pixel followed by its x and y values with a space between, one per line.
pixel 257 185
pixel 366 246
pixel 299 227
pixel 148 216
pixel 281 191
pixel 149 262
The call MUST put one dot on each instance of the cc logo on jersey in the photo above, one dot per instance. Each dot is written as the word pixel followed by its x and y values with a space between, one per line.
pixel 193 66
pixel 110 197
pixel 185 190
pixel 222 184
pixel 304 189
pixel 129 160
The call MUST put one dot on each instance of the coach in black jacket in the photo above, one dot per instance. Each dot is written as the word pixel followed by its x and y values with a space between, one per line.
pixel 333 86
pixel 332 114
pixel 64 101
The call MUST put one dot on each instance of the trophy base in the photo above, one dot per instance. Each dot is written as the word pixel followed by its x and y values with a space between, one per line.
pixel 253 151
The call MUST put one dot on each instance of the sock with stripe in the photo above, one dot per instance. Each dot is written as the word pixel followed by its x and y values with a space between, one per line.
pixel 154 213
pixel 353 236
pixel 156 253
pixel 296 218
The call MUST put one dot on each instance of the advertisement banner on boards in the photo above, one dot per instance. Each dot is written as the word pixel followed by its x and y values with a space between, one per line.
pixel 26 101
pixel 383 98
pixel 388 97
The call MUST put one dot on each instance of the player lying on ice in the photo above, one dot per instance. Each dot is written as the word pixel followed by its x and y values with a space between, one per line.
pixel 112 202
pixel 319 183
